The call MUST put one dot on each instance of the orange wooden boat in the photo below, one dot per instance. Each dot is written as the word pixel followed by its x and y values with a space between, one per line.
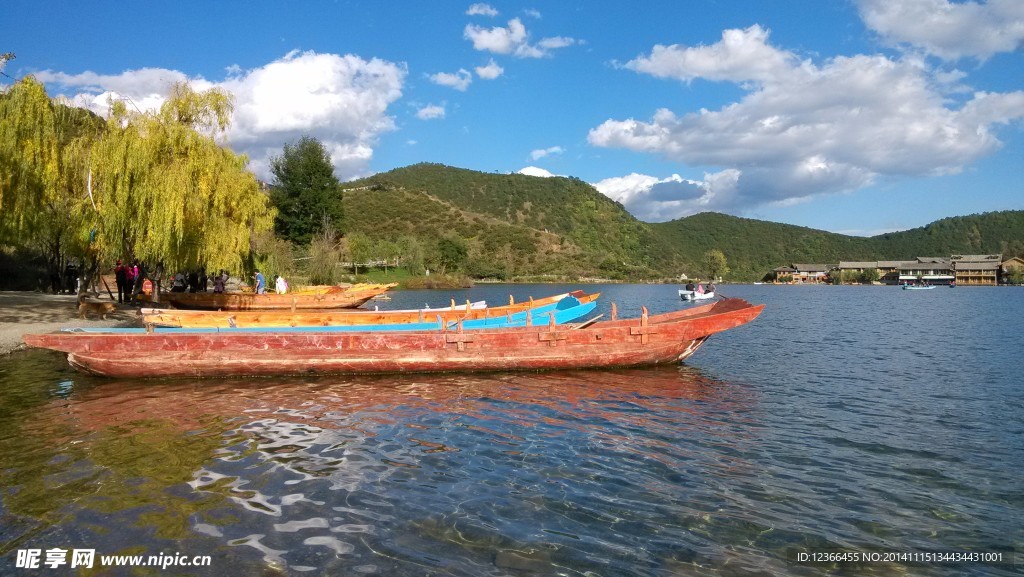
pixel 320 289
pixel 664 338
pixel 346 297
pixel 247 319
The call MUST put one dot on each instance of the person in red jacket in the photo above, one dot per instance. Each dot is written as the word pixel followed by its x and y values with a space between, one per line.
pixel 121 277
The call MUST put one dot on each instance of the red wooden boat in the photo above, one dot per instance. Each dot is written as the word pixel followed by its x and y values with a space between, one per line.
pixel 664 338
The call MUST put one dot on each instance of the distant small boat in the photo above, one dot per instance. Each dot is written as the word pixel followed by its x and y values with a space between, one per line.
pixel 694 295
pixel 908 287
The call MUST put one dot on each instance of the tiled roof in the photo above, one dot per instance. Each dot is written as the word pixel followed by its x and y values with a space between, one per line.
pixel 812 267
pixel 925 266
pixel 856 264
pixel 977 257
pixel 992 266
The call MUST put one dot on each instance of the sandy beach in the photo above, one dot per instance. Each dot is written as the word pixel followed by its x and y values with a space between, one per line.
pixel 32 312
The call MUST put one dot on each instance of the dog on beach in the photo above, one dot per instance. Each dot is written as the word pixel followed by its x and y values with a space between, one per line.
pixel 100 308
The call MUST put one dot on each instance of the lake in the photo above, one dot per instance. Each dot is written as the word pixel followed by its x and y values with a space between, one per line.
pixel 865 421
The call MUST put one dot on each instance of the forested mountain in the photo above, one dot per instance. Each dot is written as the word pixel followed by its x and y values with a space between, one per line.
pixel 989 233
pixel 525 224
pixel 752 247
pixel 518 225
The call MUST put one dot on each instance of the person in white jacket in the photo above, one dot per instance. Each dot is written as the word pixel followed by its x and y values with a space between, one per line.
pixel 280 285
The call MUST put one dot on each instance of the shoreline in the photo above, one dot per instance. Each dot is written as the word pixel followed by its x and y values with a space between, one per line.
pixel 25 312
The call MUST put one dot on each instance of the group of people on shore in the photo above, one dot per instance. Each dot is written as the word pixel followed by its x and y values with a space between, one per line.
pixel 280 285
pixel 197 281
pixel 131 278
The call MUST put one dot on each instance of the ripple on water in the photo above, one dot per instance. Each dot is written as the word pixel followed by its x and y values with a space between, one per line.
pixel 805 429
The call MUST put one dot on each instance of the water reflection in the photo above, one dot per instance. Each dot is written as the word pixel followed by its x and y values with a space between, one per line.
pixel 481 473
pixel 658 471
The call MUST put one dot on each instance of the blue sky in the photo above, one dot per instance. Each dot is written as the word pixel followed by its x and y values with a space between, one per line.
pixel 858 116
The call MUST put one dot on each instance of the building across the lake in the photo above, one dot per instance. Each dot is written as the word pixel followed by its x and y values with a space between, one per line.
pixel 1012 269
pixel 804 273
pixel 926 269
pixel 961 269
pixel 981 269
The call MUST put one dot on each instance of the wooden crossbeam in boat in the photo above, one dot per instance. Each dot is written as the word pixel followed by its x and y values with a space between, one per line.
pixel 551 336
pixel 644 329
pixel 459 337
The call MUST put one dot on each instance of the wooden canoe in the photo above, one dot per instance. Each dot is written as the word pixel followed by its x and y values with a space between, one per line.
pixel 559 312
pixel 240 319
pixel 469 305
pixel 656 339
pixel 319 289
pixel 347 298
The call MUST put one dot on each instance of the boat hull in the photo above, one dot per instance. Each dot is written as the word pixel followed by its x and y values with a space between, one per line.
pixel 648 340
pixel 343 317
pixel 342 298
pixel 695 296
pixel 558 312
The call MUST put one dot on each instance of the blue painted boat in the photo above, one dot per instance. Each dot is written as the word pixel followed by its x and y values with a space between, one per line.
pixel 563 311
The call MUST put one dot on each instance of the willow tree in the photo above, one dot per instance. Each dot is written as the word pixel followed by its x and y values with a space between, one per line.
pixel 28 154
pixel 166 190
pixel 44 149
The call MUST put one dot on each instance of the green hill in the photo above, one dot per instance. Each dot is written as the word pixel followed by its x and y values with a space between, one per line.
pixel 752 247
pixel 525 226
pixel 988 233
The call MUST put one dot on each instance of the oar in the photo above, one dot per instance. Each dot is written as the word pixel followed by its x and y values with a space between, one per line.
pixel 585 323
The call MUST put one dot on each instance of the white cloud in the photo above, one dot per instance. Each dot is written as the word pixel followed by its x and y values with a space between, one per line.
pixel 555 42
pixel 497 39
pixel 430 112
pixel 804 129
pixel 513 40
pixel 340 100
pixel 949 30
pixel 458 80
pixel 741 55
pixel 541 153
pixel 535 171
pixel 143 89
pixel 652 199
pixel 481 9
pixel 532 13
pixel 490 71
